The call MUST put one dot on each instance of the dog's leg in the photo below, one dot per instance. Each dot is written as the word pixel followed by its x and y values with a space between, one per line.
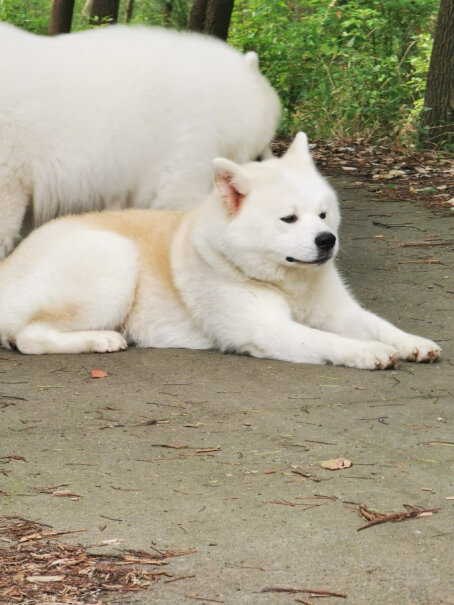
pixel 258 322
pixel 15 189
pixel 66 289
pixel 351 320
pixel 367 325
pixel 289 341
pixel 37 339
pixel 266 329
pixel 12 211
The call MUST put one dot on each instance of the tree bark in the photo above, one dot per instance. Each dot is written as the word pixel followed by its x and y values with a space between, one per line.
pixel 197 15
pixel 61 17
pixel 211 17
pixel 104 11
pixel 438 113
pixel 128 10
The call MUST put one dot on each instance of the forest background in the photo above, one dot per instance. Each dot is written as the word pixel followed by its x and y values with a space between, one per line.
pixel 344 69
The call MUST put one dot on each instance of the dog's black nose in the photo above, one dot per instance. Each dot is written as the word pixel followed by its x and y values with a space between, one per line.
pixel 325 241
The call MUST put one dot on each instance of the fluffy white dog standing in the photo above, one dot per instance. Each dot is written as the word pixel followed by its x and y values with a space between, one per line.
pixel 122 116
pixel 251 270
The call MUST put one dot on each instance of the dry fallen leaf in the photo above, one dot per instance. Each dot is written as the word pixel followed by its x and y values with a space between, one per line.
pixel 336 464
pixel 98 374
pixel 392 174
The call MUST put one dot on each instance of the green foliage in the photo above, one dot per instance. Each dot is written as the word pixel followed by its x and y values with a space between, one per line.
pixel 169 13
pixel 343 68
pixel 28 14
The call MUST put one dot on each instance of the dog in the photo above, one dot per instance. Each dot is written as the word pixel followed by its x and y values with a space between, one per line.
pixel 122 117
pixel 251 270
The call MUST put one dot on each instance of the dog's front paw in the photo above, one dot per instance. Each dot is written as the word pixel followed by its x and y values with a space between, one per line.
pixel 415 348
pixel 373 356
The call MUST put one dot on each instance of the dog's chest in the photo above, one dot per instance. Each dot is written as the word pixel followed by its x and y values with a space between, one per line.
pixel 301 297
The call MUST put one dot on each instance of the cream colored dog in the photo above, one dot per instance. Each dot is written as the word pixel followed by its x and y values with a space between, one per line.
pixel 122 117
pixel 251 270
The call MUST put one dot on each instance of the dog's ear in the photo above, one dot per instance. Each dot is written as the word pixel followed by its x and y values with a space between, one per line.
pixel 299 149
pixel 231 182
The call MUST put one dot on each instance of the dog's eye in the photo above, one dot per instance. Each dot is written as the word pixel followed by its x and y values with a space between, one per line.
pixel 322 215
pixel 291 218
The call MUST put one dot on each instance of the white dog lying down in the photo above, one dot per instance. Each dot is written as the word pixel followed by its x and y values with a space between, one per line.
pixel 122 116
pixel 251 270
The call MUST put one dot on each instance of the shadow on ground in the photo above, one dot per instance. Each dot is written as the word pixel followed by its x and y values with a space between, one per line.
pixel 177 449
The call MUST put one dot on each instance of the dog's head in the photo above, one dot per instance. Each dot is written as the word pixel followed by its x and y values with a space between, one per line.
pixel 278 213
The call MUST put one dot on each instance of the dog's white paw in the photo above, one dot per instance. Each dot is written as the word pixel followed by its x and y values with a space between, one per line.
pixel 107 342
pixel 372 356
pixel 415 348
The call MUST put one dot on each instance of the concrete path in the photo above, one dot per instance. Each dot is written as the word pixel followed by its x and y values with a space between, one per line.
pixel 256 504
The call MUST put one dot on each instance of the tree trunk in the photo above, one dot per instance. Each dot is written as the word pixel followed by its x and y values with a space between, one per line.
pixel 61 17
pixel 128 10
pixel 167 10
pixel 438 112
pixel 197 15
pixel 104 11
pixel 217 18
pixel 211 17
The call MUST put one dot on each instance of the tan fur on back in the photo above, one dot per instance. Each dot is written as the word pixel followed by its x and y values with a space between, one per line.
pixel 151 230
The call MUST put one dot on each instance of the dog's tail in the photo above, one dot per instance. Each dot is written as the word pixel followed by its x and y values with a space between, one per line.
pixel 252 60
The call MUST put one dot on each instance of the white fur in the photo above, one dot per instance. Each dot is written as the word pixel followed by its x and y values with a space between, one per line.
pixel 122 116
pixel 233 276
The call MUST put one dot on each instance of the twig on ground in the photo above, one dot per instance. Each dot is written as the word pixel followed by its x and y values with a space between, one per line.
pixel 311 592
pixel 179 578
pixel 195 596
pixel 423 244
pixel 374 517
pixel 423 261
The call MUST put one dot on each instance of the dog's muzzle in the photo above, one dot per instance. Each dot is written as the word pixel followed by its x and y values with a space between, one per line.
pixel 325 243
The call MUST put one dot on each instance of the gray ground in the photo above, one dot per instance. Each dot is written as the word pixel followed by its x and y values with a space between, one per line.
pixel 260 510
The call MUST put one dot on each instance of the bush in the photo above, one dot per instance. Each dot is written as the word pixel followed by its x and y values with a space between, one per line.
pixel 32 15
pixel 343 68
